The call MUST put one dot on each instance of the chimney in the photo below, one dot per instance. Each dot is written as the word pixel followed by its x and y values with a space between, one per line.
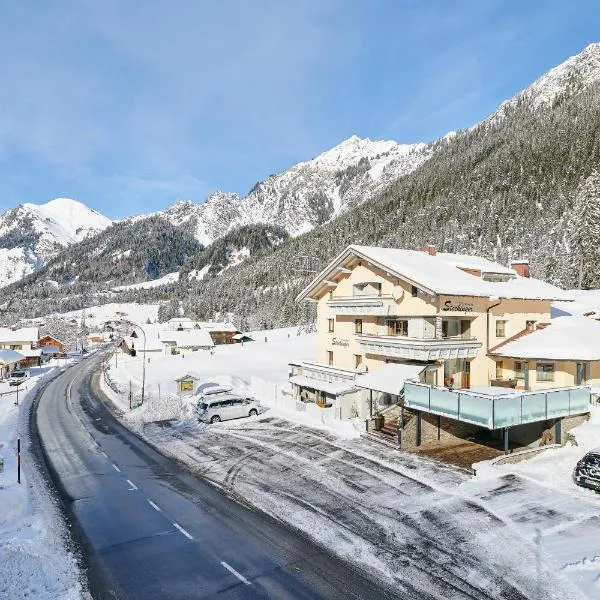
pixel 521 267
pixel 429 249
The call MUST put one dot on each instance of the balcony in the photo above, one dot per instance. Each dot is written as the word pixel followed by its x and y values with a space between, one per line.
pixel 501 409
pixel 418 348
pixel 373 306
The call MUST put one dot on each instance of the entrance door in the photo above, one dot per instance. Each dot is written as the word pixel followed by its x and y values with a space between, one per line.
pixel 467 378
pixel 581 375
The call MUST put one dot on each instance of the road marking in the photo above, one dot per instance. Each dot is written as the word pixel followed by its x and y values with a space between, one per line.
pixel 154 506
pixel 116 468
pixel 187 535
pixel 133 486
pixel 103 453
pixel 234 572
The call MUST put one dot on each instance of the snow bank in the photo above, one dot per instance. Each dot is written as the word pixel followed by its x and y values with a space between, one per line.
pixel 35 560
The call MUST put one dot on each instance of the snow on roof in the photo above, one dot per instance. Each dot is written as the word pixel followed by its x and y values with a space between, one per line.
pixel 479 263
pixel 211 326
pixel 188 339
pixel 25 334
pixel 389 378
pixel 437 276
pixel 324 386
pixel 9 357
pixel 566 338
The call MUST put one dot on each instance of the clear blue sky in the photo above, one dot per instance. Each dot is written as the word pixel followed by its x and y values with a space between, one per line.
pixel 128 105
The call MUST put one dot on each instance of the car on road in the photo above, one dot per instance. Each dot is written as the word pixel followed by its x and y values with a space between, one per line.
pixel 18 377
pixel 587 470
pixel 222 407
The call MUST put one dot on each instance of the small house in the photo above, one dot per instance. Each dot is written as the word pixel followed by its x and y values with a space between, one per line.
pixel 9 361
pixel 51 345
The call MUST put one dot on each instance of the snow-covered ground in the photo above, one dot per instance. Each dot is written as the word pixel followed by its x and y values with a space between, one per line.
pixel 258 368
pixel 35 559
pixel 430 528
pixel 538 496
pixel 96 316
pixel 147 285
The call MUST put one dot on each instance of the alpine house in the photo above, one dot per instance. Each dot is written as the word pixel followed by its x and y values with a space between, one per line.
pixel 429 328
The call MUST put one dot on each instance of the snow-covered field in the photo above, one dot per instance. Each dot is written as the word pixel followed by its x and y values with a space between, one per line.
pixel 514 531
pixel 35 560
pixel 97 315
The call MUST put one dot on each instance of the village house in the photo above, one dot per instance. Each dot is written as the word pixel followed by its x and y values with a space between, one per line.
pixel 23 340
pixel 51 346
pixel 438 321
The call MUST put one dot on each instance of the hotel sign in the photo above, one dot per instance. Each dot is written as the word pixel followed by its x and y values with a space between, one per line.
pixel 465 307
pixel 340 342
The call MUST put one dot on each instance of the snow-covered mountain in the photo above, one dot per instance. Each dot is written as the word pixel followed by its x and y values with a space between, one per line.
pixel 567 79
pixel 31 234
pixel 306 195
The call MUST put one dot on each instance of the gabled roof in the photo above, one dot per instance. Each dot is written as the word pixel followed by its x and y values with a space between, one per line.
pixel 24 334
pixel 434 275
pixel 10 357
pixel 565 338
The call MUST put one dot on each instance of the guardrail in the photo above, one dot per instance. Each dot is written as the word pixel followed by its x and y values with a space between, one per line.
pixel 497 411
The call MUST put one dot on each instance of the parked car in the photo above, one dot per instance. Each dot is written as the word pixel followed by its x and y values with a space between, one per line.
pixel 587 471
pixel 18 377
pixel 222 407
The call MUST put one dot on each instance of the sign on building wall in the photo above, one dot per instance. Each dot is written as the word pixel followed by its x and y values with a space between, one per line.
pixel 450 305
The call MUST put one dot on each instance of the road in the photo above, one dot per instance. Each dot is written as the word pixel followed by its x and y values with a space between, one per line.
pixel 150 529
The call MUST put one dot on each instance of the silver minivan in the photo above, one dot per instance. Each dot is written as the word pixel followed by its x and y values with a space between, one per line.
pixel 222 407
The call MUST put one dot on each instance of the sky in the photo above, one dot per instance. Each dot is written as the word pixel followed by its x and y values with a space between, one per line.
pixel 129 105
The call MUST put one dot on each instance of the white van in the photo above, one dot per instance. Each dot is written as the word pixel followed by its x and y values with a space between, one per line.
pixel 222 407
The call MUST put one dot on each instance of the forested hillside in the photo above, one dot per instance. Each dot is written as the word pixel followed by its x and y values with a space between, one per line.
pixel 524 183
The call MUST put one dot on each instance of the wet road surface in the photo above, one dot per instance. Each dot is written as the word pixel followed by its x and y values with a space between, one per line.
pixel 151 530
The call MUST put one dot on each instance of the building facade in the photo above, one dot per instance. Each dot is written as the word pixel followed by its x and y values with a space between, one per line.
pixel 443 314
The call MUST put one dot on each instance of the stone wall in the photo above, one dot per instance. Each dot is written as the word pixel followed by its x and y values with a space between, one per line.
pixel 449 431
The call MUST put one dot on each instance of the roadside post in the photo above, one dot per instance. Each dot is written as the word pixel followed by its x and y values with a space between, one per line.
pixel 18 460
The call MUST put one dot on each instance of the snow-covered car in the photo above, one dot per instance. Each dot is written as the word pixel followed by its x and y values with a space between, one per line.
pixel 587 471
pixel 18 377
pixel 222 407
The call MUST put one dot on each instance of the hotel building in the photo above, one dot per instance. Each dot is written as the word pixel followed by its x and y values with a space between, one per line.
pixel 386 316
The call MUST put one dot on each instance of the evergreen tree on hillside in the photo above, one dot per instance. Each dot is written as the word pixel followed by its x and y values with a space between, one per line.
pixel 586 232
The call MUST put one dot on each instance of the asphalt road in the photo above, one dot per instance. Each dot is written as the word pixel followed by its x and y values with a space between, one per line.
pixel 150 529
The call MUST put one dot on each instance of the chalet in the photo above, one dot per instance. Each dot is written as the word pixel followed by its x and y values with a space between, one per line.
pixel 9 361
pixel 431 328
pixel 51 345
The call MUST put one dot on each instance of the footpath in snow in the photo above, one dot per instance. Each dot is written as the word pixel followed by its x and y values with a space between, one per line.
pixel 427 527
pixel 35 557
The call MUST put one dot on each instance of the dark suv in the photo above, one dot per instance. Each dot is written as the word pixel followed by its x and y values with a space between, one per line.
pixel 587 471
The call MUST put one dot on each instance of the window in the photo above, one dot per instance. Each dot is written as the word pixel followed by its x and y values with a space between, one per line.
pixel 414 291
pixel 330 325
pixel 357 325
pixel 499 369
pixel 330 358
pixel 519 370
pixel 545 372
pixel 500 328
pixel 398 327
pixel 16 347
pixel 357 360
pixel 530 325
pixel 368 288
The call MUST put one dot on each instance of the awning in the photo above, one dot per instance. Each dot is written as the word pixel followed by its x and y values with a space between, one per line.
pixel 389 378
pixel 324 386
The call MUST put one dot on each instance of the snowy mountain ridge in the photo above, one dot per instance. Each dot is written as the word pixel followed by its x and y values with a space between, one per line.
pixel 570 77
pixel 308 194
pixel 31 234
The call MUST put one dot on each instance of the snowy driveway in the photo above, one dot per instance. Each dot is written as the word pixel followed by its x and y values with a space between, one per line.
pixel 420 524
